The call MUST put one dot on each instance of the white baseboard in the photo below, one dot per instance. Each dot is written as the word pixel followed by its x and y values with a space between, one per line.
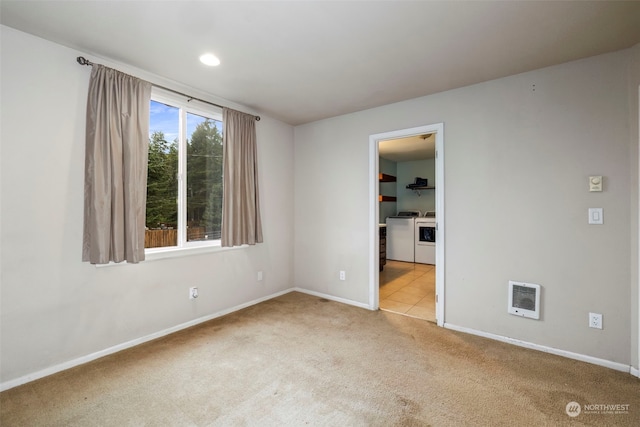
pixel 568 354
pixel 93 356
pixel 332 298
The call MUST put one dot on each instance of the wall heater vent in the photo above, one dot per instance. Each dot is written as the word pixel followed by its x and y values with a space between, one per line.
pixel 524 299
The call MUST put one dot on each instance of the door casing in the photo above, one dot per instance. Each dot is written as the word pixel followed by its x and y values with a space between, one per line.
pixel 374 220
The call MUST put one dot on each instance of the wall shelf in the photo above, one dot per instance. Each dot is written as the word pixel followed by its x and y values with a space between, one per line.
pixel 383 177
pixel 418 189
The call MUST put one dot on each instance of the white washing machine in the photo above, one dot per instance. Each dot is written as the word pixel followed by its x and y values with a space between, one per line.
pixel 425 239
pixel 400 236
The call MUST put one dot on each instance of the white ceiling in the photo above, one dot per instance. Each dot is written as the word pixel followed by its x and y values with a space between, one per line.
pixel 419 147
pixel 304 61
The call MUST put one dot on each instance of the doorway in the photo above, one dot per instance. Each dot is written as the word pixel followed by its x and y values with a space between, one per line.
pixel 374 216
pixel 408 288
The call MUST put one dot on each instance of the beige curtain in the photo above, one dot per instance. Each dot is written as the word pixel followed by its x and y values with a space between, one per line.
pixel 115 187
pixel 240 203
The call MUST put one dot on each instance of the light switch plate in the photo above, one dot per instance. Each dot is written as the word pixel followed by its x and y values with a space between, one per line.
pixel 595 183
pixel 596 216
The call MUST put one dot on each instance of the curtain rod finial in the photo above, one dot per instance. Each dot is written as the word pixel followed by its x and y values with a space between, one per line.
pixel 82 61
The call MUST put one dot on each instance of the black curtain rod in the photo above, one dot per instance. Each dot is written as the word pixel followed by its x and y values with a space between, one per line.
pixel 83 61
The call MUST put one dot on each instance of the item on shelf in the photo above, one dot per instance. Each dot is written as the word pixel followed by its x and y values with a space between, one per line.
pixel 419 182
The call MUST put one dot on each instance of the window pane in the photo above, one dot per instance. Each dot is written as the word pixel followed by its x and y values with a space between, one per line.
pixel 162 177
pixel 204 178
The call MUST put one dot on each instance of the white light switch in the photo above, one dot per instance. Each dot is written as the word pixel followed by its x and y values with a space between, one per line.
pixel 595 216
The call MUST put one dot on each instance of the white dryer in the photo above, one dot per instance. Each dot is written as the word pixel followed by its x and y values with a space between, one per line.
pixel 400 236
pixel 425 239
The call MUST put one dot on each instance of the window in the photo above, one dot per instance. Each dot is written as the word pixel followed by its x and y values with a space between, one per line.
pixel 184 181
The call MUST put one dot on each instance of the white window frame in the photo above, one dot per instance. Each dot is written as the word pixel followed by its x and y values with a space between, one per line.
pixel 183 247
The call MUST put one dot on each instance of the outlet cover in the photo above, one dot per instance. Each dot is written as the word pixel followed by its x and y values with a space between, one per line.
pixel 595 320
pixel 193 293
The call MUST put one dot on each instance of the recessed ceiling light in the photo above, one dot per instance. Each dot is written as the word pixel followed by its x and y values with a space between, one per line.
pixel 209 59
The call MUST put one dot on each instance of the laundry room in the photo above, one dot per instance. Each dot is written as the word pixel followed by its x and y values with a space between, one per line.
pixel 405 160
pixel 407 209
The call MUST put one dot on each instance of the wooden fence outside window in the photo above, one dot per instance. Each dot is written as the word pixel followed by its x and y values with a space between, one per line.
pixel 169 237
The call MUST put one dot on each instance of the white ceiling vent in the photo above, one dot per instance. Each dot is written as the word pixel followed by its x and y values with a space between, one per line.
pixel 524 299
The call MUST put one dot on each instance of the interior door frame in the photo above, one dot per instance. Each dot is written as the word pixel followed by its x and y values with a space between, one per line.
pixel 637 372
pixel 374 220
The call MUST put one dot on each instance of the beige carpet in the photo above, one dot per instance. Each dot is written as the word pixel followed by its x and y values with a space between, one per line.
pixel 300 360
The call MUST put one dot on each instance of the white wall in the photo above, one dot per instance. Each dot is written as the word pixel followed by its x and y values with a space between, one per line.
pixel 56 308
pixel 424 200
pixel 518 152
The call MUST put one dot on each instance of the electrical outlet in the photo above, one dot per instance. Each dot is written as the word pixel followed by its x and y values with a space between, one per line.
pixel 193 293
pixel 259 276
pixel 595 320
pixel 343 275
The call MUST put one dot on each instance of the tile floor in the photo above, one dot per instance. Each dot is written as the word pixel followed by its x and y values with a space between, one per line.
pixel 409 289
